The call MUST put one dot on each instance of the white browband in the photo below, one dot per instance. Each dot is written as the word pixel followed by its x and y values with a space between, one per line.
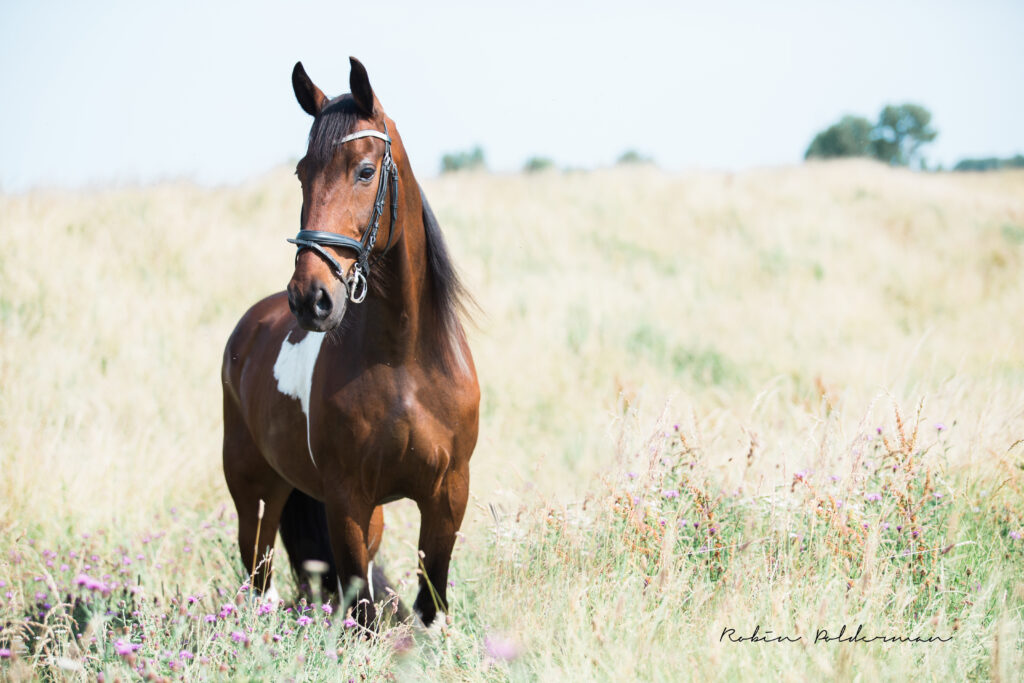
pixel 369 133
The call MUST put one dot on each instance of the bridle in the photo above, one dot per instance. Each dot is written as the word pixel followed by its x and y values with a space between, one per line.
pixel 357 286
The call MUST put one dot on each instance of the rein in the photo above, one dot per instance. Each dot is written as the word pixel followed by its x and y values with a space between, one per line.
pixel 357 285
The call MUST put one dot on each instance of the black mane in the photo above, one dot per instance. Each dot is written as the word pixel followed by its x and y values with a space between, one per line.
pixel 449 294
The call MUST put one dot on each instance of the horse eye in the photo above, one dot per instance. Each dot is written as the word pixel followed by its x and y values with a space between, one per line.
pixel 366 172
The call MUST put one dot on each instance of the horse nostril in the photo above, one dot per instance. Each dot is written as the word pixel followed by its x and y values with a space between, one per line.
pixel 322 305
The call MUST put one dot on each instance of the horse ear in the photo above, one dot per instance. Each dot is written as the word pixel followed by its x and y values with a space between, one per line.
pixel 359 83
pixel 310 97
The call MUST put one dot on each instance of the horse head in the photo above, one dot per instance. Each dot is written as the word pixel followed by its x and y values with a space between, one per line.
pixel 346 175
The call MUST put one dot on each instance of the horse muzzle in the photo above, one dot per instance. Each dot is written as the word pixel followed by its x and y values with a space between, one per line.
pixel 318 306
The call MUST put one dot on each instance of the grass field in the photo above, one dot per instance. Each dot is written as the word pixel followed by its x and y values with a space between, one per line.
pixel 790 399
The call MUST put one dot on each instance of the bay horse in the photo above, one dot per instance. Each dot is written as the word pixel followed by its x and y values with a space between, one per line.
pixel 356 386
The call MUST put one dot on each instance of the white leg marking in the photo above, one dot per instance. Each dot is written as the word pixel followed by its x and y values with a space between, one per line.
pixel 293 371
pixel 271 596
pixel 369 579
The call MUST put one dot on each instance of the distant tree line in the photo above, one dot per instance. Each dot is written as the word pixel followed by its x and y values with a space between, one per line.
pixel 473 159
pixel 990 164
pixel 895 138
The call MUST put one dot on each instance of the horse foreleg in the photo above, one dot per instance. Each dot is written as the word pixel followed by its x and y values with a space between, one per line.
pixel 251 480
pixel 440 517
pixel 349 523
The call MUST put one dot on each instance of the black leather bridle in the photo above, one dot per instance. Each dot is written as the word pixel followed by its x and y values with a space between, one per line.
pixel 357 285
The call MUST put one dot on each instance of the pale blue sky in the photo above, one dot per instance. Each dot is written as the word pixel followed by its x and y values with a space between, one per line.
pixel 93 93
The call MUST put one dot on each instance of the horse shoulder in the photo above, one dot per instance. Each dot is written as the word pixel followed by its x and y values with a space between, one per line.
pixel 250 333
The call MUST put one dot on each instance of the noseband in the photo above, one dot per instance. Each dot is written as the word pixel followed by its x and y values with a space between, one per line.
pixel 357 286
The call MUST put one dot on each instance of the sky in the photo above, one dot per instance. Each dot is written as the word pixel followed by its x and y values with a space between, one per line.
pixel 100 93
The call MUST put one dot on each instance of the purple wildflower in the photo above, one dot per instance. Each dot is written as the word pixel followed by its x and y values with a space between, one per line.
pixel 1015 535
pixel 349 623
pixel 91 584
pixel 304 621
pixel 939 426
pixel 670 493
pixel 874 496
pixel 124 649
pixel 238 636
pixel 5 653
pixel 502 648
pixel 326 607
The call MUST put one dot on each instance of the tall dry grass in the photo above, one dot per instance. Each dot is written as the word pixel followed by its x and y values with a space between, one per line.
pixel 751 352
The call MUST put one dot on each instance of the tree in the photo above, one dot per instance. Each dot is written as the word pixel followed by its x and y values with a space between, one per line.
pixel 900 133
pixel 896 139
pixel 851 137
pixel 463 161
pixel 538 164
pixel 631 156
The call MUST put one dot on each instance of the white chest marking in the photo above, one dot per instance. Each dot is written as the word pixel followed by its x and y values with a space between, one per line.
pixel 293 371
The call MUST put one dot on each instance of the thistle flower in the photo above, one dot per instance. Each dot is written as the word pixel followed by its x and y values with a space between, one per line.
pixel 1015 535
pixel 89 583
pixel 303 621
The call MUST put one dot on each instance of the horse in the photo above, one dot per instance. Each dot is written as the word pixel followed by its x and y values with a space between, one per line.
pixel 355 386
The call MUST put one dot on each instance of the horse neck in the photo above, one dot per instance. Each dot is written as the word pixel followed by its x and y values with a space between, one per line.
pixel 396 315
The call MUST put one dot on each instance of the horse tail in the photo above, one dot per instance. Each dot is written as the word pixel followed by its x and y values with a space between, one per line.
pixel 303 529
